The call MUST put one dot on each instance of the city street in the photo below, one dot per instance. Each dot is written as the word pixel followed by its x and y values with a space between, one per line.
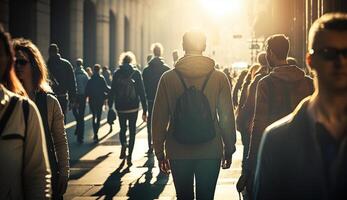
pixel 98 173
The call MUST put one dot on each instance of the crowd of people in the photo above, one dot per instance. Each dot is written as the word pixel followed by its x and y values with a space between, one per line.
pixel 292 119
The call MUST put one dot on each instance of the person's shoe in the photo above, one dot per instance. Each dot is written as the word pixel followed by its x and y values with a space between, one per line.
pixel 150 151
pixel 129 161
pixel 96 139
pixel 122 153
pixel 79 141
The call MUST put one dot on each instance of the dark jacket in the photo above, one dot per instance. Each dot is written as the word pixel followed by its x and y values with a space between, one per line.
pixel 151 76
pixel 107 75
pixel 123 72
pixel 245 112
pixel 61 72
pixel 277 95
pixel 238 87
pixel 97 90
pixel 290 162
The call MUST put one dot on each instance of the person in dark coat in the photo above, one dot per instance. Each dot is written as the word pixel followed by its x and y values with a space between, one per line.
pixel 304 155
pixel 126 92
pixel 151 76
pixel 97 91
pixel 238 87
pixel 62 78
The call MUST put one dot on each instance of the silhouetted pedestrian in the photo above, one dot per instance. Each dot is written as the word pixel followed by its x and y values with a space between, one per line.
pixel 78 110
pixel 97 92
pixel 151 76
pixel 62 78
pixel 126 90
pixel 185 136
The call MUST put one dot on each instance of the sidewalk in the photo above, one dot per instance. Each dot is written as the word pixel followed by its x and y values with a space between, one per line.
pixel 98 173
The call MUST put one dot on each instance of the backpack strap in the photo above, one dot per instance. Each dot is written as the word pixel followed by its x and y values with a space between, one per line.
pixel 131 75
pixel 7 114
pixel 25 106
pixel 181 78
pixel 41 102
pixel 206 80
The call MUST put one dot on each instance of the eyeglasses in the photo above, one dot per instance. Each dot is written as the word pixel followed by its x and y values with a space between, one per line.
pixel 21 62
pixel 329 54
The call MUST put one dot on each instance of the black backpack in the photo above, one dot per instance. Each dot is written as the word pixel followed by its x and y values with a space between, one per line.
pixel 193 122
pixel 125 93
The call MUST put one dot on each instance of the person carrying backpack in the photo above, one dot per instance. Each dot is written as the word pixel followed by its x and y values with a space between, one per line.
pixel 96 91
pixel 188 137
pixel 126 90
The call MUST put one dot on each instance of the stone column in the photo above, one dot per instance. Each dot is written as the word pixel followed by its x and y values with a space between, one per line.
pixel 4 13
pixel 120 7
pixel 133 25
pixel 102 32
pixel 42 36
pixel 76 27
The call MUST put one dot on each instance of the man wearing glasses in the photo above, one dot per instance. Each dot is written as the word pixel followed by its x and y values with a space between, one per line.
pixel 304 155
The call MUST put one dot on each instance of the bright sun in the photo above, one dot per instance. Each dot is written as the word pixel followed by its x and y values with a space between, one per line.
pixel 219 8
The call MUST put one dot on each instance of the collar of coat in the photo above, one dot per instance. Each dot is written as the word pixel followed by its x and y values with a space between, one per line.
pixel 290 73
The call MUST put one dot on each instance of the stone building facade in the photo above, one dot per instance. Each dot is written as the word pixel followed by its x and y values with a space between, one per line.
pixel 96 30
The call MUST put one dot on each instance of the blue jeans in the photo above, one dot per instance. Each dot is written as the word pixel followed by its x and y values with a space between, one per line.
pixel 205 172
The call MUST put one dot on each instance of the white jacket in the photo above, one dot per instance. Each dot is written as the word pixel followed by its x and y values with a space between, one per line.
pixel 24 168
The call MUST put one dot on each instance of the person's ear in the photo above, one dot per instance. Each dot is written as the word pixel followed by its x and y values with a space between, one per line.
pixel 309 60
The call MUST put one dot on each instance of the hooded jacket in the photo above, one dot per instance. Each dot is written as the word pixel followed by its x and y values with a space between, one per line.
pixel 194 69
pixel 277 95
pixel 151 76
pixel 125 71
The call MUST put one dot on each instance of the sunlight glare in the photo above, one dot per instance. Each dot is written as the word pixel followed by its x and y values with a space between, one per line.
pixel 219 8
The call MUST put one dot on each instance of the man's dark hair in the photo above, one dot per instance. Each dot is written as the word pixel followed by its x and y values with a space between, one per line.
pixel 279 45
pixel 194 41
pixel 157 49
pixel 261 58
pixel 329 21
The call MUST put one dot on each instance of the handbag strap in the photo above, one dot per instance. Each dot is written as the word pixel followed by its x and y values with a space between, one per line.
pixel 6 116
pixel 41 102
